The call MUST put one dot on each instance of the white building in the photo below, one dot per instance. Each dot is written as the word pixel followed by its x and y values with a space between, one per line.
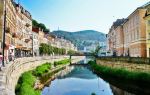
pixel 35 43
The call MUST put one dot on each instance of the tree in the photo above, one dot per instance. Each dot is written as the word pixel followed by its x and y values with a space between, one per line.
pixel 46 31
pixel 95 53
pixel 40 25
pixel 35 23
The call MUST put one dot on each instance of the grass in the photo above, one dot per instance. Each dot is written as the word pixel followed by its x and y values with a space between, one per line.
pixel 62 62
pixel 25 85
pixel 121 73
pixel 40 70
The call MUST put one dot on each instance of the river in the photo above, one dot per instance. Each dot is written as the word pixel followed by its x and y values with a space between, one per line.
pixel 80 80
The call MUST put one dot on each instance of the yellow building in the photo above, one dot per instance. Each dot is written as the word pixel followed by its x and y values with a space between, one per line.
pixel 147 19
pixel 18 30
pixel 1 21
pixel 10 29
pixel 134 34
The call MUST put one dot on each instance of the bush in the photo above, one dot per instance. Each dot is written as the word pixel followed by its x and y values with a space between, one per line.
pixel 25 85
pixel 42 69
pixel 62 62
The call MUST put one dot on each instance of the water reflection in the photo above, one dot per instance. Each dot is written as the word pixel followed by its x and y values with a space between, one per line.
pixel 86 60
pixel 79 80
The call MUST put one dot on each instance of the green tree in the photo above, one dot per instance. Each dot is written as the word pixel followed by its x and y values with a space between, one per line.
pixel 46 31
pixel 42 26
pixel 95 53
pixel 35 23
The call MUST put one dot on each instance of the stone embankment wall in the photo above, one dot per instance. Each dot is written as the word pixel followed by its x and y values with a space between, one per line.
pixel 12 71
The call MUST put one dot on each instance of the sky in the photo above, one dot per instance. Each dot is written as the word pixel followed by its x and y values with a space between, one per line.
pixel 76 15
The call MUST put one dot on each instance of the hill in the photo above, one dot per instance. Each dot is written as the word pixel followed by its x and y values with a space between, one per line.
pixel 82 38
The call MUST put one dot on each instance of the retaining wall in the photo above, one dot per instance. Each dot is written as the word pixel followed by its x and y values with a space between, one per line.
pixel 11 72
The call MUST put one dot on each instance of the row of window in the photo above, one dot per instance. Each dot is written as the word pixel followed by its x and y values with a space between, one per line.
pixel 132 36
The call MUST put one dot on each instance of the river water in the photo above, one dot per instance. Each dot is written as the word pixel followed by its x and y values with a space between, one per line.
pixel 80 80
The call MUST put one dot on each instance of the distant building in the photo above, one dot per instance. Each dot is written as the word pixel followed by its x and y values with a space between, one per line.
pixel 103 49
pixel 42 38
pixel 35 43
pixel 115 38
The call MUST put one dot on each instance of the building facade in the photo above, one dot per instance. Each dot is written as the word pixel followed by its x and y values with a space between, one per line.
pixel 10 29
pixel 42 38
pixel 35 43
pixel 134 34
pixel 18 30
pixel 23 46
pixel 1 21
pixel 115 38
pixel 147 21
pixel 119 41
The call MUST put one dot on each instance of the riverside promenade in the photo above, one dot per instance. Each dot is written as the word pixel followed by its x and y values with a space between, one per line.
pixel 11 72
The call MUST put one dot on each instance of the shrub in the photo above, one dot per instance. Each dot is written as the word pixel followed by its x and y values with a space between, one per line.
pixel 42 69
pixel 62 62
pixel 26 85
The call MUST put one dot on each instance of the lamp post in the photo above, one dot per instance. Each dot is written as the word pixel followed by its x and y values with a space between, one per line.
pixel 4 33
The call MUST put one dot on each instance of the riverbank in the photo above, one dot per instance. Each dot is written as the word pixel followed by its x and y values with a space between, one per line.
pixel 125 65
pixel 11 72
pixel 119 72
pixel 34 80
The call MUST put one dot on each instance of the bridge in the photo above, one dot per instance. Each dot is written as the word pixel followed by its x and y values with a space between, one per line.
pixel 80 54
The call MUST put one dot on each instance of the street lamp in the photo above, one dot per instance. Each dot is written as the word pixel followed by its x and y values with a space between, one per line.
pixel 4 33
